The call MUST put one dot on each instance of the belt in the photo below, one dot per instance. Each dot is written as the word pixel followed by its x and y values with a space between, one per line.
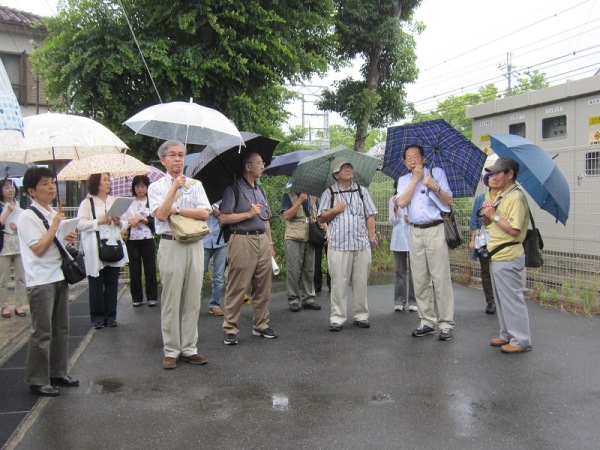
pixel 427 225
pixel 247 233
pixel 168 237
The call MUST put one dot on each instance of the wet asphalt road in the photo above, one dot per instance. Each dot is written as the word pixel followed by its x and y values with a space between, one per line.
pixel 310 388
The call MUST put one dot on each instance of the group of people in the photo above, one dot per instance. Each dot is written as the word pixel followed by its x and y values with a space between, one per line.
pixel 345 209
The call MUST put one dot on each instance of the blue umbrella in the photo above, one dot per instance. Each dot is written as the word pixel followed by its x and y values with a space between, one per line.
pixel 286 164
pixel 538 174
pixel 445 147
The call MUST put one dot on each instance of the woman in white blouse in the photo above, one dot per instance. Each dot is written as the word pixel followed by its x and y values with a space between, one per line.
pixel 140 245
pixel 103 276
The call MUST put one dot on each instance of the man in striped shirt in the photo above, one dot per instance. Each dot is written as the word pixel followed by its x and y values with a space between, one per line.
pixel 350 213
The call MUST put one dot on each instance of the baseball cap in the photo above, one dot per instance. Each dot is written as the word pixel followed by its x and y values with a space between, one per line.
pixel 503 164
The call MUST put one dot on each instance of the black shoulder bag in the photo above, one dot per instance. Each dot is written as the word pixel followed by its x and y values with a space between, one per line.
pixel 73 264
pixel 107 252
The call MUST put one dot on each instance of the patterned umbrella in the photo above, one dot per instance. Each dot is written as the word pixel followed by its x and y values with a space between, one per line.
pixel 116 164
pixel 10 112
pixel 313 174
pixel 286 164
pixel 121 186
pixel 444 146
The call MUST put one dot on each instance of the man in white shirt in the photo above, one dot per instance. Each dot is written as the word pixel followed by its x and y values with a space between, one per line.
pixel 47 290
pixel 181 264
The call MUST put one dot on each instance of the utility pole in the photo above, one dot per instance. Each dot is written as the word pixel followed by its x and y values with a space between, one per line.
pixel 509 72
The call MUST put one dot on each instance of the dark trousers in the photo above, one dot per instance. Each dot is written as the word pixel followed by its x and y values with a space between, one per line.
pixel 142 252
pixel 318 277
pixel 486 280
pixel 103 295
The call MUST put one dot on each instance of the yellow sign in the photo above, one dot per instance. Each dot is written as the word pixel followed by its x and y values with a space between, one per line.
pixel 594 138
pixel 594 120
pixel 484 138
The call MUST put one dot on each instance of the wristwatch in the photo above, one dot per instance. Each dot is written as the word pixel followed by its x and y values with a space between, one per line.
pixel 497 218
pixel 438 190
pixel 177 210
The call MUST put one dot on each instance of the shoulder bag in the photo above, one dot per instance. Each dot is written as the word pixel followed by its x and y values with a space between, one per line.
pixel 73 264
pixel 532 246
pixel 452 229
pixel 107 252
pixel 186 229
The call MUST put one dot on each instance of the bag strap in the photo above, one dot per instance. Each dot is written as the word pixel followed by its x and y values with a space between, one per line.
pixel 508 244
pixel 360 194
pixel 61 249
pixel 94 216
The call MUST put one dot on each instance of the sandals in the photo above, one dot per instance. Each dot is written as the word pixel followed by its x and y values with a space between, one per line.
pixel 20 312
pixel 6 313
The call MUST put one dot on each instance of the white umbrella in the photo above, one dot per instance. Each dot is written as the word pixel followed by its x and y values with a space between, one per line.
pixel 58 136
pixel 186 122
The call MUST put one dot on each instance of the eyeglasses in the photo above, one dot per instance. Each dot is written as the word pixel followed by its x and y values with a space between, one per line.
pixel 412 158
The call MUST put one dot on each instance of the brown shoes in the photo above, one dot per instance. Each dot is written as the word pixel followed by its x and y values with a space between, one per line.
pixel 498 342
pixel 197 359
pixel 217 311
pixel 169 363
pixel 509 348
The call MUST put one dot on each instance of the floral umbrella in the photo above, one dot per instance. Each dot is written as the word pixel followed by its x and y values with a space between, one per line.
pixel 116 164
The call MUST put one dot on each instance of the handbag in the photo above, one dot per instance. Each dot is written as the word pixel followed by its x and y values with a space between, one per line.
pixel 316 234
pixel 186 229
pixel 107 252
pixel 533 246
pixel 452 230
pixel 73 263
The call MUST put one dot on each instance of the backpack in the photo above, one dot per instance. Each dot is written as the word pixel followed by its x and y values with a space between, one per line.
pixel 225 231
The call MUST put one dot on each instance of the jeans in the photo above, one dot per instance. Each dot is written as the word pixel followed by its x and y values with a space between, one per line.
pixel 219 256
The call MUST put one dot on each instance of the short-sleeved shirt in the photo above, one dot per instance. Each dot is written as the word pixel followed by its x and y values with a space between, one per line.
pixel 248 195
pixel 348 231
pixel 401 231
pixel 43 269
pixel 192 196
pixel 513 208
pixel 421 209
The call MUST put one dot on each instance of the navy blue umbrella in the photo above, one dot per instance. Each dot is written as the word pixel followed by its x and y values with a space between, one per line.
pixel 538 174
pixel 286 164
pixel 445 147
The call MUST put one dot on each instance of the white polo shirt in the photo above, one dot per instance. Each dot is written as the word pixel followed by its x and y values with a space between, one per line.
pixel 43 269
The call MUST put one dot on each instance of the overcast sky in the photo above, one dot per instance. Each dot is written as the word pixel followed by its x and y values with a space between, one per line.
pixel 466 43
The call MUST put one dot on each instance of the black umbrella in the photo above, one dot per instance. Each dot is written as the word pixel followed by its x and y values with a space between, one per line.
pixel 217 169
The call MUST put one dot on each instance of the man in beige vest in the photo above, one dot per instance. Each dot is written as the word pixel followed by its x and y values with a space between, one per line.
pixel 298 210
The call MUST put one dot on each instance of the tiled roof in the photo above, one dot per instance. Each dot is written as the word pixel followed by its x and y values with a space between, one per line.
pixel 13 16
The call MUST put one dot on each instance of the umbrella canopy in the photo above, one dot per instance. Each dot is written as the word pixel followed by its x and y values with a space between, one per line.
pixel 313 174
pixel 185 122
pixel 10 112
pixel 218 169
pixel 538 174
pixel 58 136
pixel 9 169
pixel 121 186
pixel 445 148
pixel 286 164
pixel 116 164
pixel 378 150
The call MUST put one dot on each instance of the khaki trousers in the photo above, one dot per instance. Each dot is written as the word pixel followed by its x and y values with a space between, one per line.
pixel 346 268
pixel 20 295
pixel 249 259
pixel 430 267
pixel 300 269
pixel 181 267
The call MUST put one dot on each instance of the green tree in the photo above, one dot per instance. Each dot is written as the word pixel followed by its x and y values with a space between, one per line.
pixel 530 82
pixel 231 55
pixel 372 31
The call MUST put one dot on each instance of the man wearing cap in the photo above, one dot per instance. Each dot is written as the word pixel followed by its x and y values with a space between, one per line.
pixel 349 211
pixel 508 216
pixel 423 192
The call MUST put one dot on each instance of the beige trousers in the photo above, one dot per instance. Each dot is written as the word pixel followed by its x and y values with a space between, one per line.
pixel 20 294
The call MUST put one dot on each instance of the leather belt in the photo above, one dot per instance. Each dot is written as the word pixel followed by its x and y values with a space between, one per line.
pixel 427 225
pixel 248 233
pixel 168 237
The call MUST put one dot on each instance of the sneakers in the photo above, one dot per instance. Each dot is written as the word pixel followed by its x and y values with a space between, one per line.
pixel 151 302
pixel 312 305
pixel 490 308
pixel 362 323
pixel 111 323
pixel 137 304
pixel 266 333
pixel 98 325
pixel 230 339
pixel 423 330
pixel 399 308
pixel 446 334
pixel 196 359
pixel 294 307
pixel 335 327
pixel 216 310
pixel 413 308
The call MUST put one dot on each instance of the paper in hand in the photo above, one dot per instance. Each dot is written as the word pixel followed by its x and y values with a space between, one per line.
pixel 119 207
pixel 65 227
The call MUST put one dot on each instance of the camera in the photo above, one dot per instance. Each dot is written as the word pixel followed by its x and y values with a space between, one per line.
pixel 483 251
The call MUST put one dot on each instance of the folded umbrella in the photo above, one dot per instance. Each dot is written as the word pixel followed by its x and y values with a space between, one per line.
pixel 538 174
pixel 445 147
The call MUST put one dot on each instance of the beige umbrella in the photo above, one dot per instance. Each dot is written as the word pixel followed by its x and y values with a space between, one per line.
pixel 116 164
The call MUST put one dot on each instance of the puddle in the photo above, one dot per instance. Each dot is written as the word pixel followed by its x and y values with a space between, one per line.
pixel 106 386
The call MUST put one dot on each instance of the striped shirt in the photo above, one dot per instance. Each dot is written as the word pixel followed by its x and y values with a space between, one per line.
pixel 348 230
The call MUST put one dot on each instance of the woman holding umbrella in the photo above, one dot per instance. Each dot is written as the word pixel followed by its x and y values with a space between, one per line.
pixel 10 252
pixel 96 226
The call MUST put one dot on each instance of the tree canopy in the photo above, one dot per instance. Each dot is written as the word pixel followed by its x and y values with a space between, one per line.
pixel 373 32
pixel 231 55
